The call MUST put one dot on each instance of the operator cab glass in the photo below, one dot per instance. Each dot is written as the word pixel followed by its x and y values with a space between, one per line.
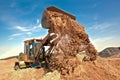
pixel 30 47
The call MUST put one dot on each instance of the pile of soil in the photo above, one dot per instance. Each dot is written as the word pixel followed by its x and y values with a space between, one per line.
pixel 7 71
pixel 55 75
pixel 105 69
pixel 64 64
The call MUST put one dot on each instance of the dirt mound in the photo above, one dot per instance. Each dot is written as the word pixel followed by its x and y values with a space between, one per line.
pixel 110 52
pixel 7 71
pixel 104 69
pixel 55 75
pixel 116 55
pixel 65 65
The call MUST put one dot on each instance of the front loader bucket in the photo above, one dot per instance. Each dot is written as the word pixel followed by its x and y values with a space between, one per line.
pixel 54 9
pixel 48 13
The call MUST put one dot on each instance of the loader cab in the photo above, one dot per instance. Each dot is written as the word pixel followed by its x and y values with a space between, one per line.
pixel 30 47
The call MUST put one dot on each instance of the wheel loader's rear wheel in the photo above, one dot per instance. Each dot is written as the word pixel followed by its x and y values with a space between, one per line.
pixel 16 67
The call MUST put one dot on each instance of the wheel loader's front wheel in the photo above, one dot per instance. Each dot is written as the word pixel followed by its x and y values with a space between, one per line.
pixel 16 67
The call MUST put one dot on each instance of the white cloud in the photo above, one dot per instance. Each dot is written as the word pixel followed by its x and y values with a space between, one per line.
pixel 29 29
pixel 29 33
pixel 25 31
pixel 22 28
pixel 104 42
pixel 17 34
pixel 36 28
pixel 104 35
pixel 101 26
pixel 40 26
pixel 38 21
pixel 11 37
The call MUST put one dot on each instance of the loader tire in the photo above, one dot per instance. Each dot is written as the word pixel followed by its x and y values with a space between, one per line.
pixel 16 67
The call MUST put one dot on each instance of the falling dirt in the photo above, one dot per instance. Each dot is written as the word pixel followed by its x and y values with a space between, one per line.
pixel 72 37
pixel 71 40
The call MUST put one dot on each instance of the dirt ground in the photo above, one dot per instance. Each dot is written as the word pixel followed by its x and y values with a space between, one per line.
pixel 102 69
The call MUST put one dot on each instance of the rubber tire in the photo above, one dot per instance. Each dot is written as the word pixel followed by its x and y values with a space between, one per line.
pixel 16 67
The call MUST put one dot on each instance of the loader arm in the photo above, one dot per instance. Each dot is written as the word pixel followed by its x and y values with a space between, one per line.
pixel 41 44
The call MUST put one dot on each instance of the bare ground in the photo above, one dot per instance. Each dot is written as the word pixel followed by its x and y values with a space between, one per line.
pixel 102 69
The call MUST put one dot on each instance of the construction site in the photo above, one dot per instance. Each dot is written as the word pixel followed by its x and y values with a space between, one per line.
pixel 70 54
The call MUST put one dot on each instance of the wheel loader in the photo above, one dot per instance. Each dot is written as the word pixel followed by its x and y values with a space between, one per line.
pixel 34 51
pixel 27 58
pixel 34 54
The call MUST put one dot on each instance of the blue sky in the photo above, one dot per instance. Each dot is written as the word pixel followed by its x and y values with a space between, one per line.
pixel 21 20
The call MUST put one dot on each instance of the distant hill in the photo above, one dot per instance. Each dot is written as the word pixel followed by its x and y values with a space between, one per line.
pixel 9 57
pixel 110 52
